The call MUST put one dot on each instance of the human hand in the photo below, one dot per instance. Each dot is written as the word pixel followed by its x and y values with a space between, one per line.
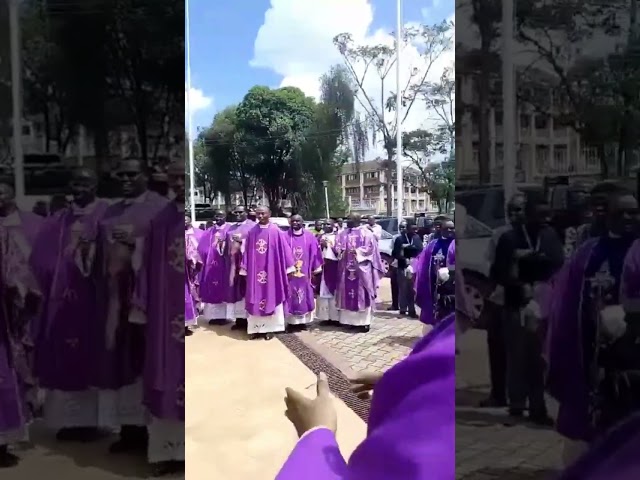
pixel 305 413
pixel 363 383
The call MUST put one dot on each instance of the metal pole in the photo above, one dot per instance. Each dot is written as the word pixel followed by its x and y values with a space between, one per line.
pixel 508 100
pixel 400 194
pixel 326 197
pixel 192 188
pixel 16 99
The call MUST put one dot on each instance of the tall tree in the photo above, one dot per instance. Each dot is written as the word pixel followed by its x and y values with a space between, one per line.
pixel 274 126
pixel 360 60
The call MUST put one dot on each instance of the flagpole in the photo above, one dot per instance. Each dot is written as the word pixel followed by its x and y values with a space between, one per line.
pixel 509 100
pixel 192 195
pixel 400 194
pixel 16 99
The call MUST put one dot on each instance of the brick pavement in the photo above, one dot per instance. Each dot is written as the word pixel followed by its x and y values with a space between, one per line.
pixel 488 446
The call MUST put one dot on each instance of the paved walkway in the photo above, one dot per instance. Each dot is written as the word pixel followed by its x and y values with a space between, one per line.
pixel 235 426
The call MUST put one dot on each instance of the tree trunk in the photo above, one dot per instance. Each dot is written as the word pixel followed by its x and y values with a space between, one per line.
pixel 604 166
pixel 484 171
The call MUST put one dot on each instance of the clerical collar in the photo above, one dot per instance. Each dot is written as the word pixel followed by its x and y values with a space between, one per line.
pixel 298 232
pixel 263 226
pixel 79 211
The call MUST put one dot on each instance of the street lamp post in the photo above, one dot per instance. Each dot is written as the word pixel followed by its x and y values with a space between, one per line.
pixel 325 184
pixel 508 100
pixel 16 98
pixel 192 176
pixel 400 193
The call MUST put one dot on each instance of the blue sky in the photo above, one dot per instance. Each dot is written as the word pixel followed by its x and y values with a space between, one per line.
pixel 225 40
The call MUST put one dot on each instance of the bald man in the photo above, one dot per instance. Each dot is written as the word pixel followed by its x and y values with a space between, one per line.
pixel 359 272
pixel 266 263
pixel 72 312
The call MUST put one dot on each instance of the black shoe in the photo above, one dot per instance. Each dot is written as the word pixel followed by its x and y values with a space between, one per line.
pixel 516 412
pixel 77 434
pixel 187 332
pixel 542 419
pixel 133 439
pixel 8 459
pixel 268 336
pixel 329 322
pixel 254 336
pixel 413 315
pixel 393 308
pixel 363 329
pixel 402 313
pixel 492 402
pixel 163 469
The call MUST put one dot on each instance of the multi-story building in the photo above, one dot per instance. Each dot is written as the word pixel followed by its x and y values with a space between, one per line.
pixel 544 148
pixel 364 188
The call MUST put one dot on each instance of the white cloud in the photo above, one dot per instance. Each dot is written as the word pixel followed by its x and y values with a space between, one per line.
pixel 296 42
pixel 199 100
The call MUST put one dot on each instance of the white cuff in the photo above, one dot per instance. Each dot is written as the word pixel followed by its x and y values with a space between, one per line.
pixel 308 432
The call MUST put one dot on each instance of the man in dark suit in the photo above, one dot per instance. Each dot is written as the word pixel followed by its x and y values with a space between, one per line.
pixel 406 246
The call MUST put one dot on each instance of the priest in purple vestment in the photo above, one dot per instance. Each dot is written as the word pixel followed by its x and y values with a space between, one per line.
pixel 307 258
pixel 66 362
pixel 266 263
pixel 234 249
pixel 214 277
pixel 21 296
pixel 193 267
pixel 326 309
pixel 411 427
pixel 159 310
pixel 431 260
pixel 359 272
pixel 122 230
pixel 587 309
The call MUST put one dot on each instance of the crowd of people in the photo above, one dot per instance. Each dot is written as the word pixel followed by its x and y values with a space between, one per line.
pixel 88 335
pixel 565 315
pixel 265 280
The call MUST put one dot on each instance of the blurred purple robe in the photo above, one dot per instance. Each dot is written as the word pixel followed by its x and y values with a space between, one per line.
pixel 568 325
pixel 411 428
pixel 162 271
pixel 307 257
pixel 266 261
pixel 359 269
pixel 614 457
pixel 437 251
pixel 122 364
pixel 213 278
pixel 17 286
pixel 193 265
pixel 66 355
pixel 237 290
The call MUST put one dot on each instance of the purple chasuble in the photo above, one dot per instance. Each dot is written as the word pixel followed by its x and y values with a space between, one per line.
pixel 266 260
pixel 122 364
pixel 307 258
pixel 614 457
pixel 192 269
pixel 359 269
pixel 163 269
pixel 329 268
pixel 451 255
pixel 66 356
pixel 238 289
pixel 567 330
pixel 411 428
pixel 213 278
pixel 426 270
pixel 16 339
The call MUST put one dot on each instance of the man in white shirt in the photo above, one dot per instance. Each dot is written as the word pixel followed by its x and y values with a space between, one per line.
pixel 374 227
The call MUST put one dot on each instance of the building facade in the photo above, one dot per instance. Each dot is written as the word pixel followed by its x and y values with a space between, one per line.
pixel 543 147
pixel 364 189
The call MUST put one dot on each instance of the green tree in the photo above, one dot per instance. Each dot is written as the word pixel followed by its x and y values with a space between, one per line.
pixel 273 126
pixel 380 60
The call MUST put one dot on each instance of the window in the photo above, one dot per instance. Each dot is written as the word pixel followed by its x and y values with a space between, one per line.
pixel 420 204
pixel 371 190
pixel 351 177
pixel 352 190
pixel 541 122
pixel 499 155
pixel 525 122
pixel 476 156
pixel 499 115
pixel 591 157
pixel 560 157
pixel 370 175
pixel 26 130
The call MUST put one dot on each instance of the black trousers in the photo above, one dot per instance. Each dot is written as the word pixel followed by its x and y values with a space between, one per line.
pixel 393 274
pixel 497 353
